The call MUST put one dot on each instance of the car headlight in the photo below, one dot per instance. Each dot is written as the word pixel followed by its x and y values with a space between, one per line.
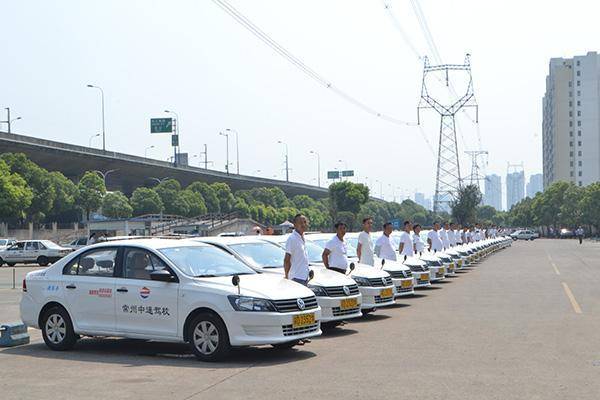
pixel 318 290
pixel 243 303
pixel 361 281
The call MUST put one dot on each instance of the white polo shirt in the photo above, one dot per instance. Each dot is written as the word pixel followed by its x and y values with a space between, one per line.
pixel 436 242
pixel 338 258
pixel 385 245
pixel 444 238
pixel 419 245
pixel 407 250
pixel 366 248
pixel 468 237
pixel 451 237
pixel 458 236
pixel 296 248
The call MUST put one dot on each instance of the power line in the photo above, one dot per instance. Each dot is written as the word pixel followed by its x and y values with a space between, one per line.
pixel 279 49
pixel 388 8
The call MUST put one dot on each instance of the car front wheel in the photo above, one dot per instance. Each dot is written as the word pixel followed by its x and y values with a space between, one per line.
pixel 43 261
pixel 209 338
pixel 57 329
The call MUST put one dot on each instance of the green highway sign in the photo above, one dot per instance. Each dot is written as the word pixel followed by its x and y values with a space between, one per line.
pixel 161 125
pixel 348 173
pixel 333 174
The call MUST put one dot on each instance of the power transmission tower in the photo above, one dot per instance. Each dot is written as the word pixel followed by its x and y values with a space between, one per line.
pixel 475 176
pixel 448 179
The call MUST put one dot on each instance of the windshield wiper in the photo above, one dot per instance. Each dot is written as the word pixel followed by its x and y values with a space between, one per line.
pixel 273 266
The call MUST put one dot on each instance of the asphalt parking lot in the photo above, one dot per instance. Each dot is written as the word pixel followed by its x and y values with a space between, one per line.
pixel 524 324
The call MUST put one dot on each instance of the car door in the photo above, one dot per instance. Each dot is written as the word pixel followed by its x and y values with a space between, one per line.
pixel 144 306
pixel 31 252
pixel 15 253
pixel 89 287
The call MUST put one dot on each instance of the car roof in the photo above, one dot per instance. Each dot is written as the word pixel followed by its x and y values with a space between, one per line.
pixel 227 240
pixel 149 243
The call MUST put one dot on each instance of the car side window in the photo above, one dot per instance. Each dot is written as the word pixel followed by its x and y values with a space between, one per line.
pixel 41 246
pixel 98 262
pixel 81 242
pixel 139 264
pixel 71 267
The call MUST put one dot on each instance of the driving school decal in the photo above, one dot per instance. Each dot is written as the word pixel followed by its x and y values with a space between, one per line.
pixel 144 292
pixel 102 292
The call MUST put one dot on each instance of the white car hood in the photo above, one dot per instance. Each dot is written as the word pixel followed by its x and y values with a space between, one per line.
pixel 391 265
pixel 367 271
pixel 323 276
pixel 265 286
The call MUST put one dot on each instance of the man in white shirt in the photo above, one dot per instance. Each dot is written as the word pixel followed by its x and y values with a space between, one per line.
pixel 295 262
pixel 467 235
pixel 458 234
pixel 433 238
pixel 335 255
pixel 450 233
pixel 444 236
pixel 384 246
pixel 364 249
pixel 406 248
pixel 419 246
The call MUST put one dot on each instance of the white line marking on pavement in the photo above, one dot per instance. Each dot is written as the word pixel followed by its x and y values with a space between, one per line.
pixel 574 303
pixel 553 264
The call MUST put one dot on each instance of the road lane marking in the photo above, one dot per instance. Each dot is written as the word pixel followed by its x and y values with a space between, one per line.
pixel 553 264
pixel 574 303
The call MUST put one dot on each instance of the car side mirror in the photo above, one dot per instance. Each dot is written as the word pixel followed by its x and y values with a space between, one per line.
pixel 235 281
pixel 382 262
pixel 311 275
pixel 162 275
pixel 352 266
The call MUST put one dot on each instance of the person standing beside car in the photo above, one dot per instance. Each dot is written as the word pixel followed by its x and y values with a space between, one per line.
pixel 364 249
pixel 419 246
pixel 295 262
pixel 406 247
pixel 384 246
pixel 433 238
pixel 451 235
pixel 335 254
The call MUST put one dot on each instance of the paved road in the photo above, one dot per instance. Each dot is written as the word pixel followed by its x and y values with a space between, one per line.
pixel 522 325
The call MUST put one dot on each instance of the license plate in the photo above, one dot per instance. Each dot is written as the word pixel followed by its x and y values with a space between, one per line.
pixel 303 320
pixel 460 263
pixel 387 292
pixel 424 277
pixel 406 284
pixel 348 303
pixel 442 271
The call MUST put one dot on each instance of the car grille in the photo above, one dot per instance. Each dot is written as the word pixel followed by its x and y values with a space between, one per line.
pixel 400 289
pixel 400 274
pixel 289 330
pixel 338 291
pixel 377 282
pixel 379 299
pixel 337 312
pixel 291 305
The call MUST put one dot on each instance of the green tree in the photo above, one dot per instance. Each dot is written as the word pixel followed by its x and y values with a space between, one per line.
pixel 347 197
pixel 464 207
pixel 226 198
pixel 195 202
pixel 63 207
pixel 485 214
pixel 15 195
pixel 90 191
pixel 208 194
pixel 571 213
pixel 38 179
pixel 304 201
pixel 546 205
pixel 168 190
pixel 241 208
pixel 521 213
pixel 590 204
pixel 116 205
pixel 146 201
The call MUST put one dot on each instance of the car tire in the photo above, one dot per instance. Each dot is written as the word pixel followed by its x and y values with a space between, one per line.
pixel 11 264
pixel 43 261
pixel 208 337
pixel 1 262
pixel 57 329
pixel 285 345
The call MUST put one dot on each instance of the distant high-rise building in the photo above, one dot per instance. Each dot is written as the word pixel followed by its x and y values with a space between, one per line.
pixel 423 201
pixel 535 184
pixel 571 120
pixel 515 188
pixel 493 191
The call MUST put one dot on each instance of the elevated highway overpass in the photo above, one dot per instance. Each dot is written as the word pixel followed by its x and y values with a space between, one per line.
pixel 133 171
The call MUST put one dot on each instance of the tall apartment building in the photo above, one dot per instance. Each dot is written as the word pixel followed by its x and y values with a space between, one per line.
pixel 515 188
pixel 535 184
pixel 493 191
pixel 571 120
pixel 422 200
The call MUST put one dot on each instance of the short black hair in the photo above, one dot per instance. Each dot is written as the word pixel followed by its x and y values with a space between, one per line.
pixel 415 226
pixel 386 225
pixel 436 222
pixel 366 219
pixel 296 217
pixel 340 223
pixel 406 222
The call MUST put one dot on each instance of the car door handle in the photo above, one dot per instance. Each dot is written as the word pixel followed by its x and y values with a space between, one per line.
pixel 71 286
pixel 122 290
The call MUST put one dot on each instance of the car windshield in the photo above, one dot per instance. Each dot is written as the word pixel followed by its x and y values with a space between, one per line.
pixel 49 244
pixel 314 252
pixel 3 242
pixel 205 261
pixel 351 250
pixel 266 255
pixel 433 263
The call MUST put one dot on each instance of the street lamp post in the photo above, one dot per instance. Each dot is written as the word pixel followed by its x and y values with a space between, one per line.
pixel 105 174
pixel 146 151
pixel 226 150
pixel 8 120
pixel 287 161
pixel 318 167
pixel 103 122
pixel 237 149
pixel 91 137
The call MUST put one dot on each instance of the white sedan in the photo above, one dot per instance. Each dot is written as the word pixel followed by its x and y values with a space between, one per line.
pixel 166 290
pixel 42 252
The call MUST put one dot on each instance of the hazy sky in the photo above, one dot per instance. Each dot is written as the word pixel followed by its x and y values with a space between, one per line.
pixel 191 57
